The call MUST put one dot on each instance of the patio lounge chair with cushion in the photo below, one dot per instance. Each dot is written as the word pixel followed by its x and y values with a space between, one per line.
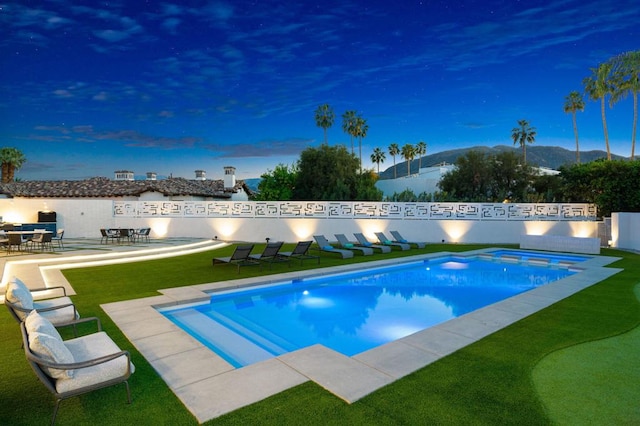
pixel 72 367
pixel 323 245
pixel 398 239
pixel 387 242
pixel 300 251
pixel 362 240
pixel 270 254
pixel 20 302
pixel 345 244
pixel 240 257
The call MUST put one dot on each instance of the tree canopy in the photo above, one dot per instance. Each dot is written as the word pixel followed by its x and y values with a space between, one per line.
pixel 329 173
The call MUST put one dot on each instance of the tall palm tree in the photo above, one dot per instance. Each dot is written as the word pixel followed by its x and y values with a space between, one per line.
pixel 573 102
pixel 349 124
pixel 360 132
pixel 597 86
pixel 378 157
pixel 393 151
pixel 627 81
pixel 408 153
pixel 12 159
pixel 324 118
pixel 523 134
pixel 421 149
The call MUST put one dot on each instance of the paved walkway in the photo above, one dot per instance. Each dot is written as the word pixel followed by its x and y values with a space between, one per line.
pixel 209 386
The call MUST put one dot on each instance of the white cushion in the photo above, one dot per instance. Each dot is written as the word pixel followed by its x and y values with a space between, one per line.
pixel 57 316
pixel 36 323
pixel 90 347
pixel 18 294
pixel 53 350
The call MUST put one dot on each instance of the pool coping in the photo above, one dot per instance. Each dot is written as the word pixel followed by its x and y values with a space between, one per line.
pixel 209 386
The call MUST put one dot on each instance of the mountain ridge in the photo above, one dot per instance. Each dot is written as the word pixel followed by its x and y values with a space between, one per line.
pixel 552 157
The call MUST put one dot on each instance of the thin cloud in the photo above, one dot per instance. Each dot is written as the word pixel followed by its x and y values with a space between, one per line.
pixel 263 148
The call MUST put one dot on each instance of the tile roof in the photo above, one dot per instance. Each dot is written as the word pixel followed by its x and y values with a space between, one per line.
pixel 102 187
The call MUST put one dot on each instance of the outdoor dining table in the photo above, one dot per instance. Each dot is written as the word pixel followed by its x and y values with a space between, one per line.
pixel 21 233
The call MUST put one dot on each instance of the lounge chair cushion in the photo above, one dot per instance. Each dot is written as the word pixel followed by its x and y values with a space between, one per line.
pixel 348 245
pixel 90 347
pixel 52 349
pixel 18 294
pixel 57 316
pixel 327 248
pixel 36 323
pixel 387 241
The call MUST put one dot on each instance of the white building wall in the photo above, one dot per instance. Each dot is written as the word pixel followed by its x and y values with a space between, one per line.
pixel 625 231
pixel 251 221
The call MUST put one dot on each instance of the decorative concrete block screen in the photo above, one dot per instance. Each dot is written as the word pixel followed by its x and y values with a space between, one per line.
pixel 356 210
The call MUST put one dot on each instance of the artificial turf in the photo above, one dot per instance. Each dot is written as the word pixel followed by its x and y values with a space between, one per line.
pixel 488 382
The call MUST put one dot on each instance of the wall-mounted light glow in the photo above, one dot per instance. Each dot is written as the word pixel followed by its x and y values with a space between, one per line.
pixel 583 229
pixel 303 229
pixel 455 229
pixel 538 228
pixel 160 227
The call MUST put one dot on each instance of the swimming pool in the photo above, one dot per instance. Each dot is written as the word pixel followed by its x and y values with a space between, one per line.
pixel 356 311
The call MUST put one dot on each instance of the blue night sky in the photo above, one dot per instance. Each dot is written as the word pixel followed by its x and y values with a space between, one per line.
pixel 90 87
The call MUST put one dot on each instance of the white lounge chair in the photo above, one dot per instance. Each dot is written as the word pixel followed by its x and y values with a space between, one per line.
pixel 346 244
pixel 324 245
pixel 398 239
pixel 362 240
pixel 387 242
pixel 20 302
pixel 72 367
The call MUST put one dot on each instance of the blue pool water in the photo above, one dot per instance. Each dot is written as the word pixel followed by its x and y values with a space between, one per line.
pixel 353 312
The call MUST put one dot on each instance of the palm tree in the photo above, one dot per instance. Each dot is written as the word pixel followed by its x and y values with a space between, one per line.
pixel 627 81
pixel 360 132
pixel 523 134
pixel 393 151
pixel 572 103
pixel 378 157
pixel 597 86
pixel 349 124
pixel 421 149
pixel 324 118
pixel 12 159
pixel 408 153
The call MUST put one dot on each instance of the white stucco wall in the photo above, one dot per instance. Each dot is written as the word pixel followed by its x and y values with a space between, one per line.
pixel 84 218
pixel 625 231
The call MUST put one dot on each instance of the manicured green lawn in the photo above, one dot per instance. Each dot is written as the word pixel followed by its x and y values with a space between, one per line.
pixel 489 382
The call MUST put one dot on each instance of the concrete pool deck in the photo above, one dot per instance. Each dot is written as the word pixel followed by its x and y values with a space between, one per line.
pixel 209 386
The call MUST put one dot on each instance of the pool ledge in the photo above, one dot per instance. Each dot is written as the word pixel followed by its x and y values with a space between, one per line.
pixel 210 387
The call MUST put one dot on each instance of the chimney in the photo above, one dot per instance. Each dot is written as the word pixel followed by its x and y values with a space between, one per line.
pixel 152 176
pixel 123 175
pixel 229 177
pixel 201 175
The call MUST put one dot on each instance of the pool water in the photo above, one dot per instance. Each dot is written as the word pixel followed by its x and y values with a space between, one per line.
pixel 352 312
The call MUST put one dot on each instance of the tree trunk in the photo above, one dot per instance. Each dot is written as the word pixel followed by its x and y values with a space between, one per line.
pixel 635 125
pixel 604 126
pixel 5 172
pixel 575 132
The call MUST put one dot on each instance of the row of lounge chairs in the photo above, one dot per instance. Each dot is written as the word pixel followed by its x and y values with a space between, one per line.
pixel 69 367
pixel 271 254
pixel 364 246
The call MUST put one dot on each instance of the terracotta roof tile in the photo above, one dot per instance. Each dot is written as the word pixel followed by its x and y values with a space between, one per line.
pixel 101 187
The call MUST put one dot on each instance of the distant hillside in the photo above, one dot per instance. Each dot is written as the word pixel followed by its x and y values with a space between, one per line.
pixel 543 156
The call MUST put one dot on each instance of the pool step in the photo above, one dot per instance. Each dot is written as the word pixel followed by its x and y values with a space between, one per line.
pixel 235 348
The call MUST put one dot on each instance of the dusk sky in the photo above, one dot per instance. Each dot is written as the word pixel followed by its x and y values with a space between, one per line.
pixel 90 87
